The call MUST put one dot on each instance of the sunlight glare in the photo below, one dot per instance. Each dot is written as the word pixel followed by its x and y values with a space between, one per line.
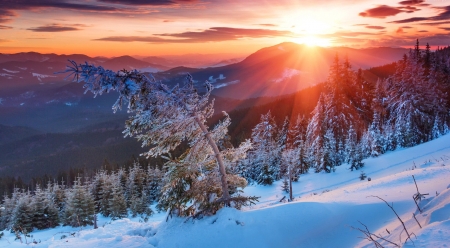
pixel 312 41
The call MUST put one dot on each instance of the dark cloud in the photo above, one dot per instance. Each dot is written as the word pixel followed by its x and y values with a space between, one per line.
pixel 446 28
pixel 149 2
pixel 5 27
pixel 215 34
pixel 434 23
pixel 381 11
pixel 444 15
pixel 423 31
pixel 413 19
pixel 375 27
pixel 406 27
pixel 412 2
pixel 8 7
pixel 6 15
pixel 409 9
pixel 55 28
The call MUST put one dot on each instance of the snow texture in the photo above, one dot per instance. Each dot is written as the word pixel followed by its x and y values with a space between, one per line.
pixel 287 74
pixel 40 76
pixel 10 71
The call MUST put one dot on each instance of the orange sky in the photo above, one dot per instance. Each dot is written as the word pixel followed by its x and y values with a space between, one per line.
pixel 170 27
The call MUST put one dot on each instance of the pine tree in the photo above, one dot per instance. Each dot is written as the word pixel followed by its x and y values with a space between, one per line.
pixel 9 204
pixel 22 216
pixel 79 207
pixel 315 135
pixel 117 205
pixel 413 102
pixel 281 143
pixel 263 158
pixel 164 118
pixel 45 212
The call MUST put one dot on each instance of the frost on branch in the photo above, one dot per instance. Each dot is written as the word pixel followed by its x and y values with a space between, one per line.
pixel 163 118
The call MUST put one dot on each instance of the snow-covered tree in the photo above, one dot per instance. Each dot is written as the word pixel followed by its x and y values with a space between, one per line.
pixel 281 143
pixel 354 154
pixel 45 211
pixel 79 207
pixel 413 102
pixel 164 117
pixel 263 161
pixel 22 215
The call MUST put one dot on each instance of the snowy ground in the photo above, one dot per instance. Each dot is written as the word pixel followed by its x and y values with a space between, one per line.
pixel 325 208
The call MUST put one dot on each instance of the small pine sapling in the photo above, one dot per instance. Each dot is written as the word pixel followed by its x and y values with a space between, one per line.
pixel 362 176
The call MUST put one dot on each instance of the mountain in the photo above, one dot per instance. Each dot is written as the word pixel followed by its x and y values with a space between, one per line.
pixel 194 60
pixel 281 69
pixel 13 133
pixel 130 63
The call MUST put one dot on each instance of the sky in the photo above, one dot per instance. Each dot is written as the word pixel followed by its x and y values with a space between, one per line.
pixel 172 27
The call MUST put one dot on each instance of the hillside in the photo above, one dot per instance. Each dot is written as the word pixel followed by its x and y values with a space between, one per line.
pixel 325 208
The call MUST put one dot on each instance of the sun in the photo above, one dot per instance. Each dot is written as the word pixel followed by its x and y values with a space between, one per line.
pixel 312 41
pixel 310 30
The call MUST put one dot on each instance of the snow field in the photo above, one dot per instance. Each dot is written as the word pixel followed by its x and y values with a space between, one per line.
pixel 325 208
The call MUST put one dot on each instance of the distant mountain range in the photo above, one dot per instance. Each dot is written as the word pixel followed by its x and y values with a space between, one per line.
pixel 281 69
pixel 47 124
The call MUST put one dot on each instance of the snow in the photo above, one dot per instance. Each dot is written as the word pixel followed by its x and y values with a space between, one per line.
pixel 226 84
pixel 324 210
pixel 10 71
pixel 40 76
pixel 211 79
pixel 287 74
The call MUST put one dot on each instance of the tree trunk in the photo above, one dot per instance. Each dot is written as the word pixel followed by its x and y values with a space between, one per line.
pixel 290 184
pixel 223 174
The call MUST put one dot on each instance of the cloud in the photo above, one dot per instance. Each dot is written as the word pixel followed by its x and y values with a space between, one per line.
pixel 381 11
pixel 409 41
pixel 9 7
pixel 446 28
pixel 422 31
pixel 375 27
pixel 57 28
pixel 4 41
pixel 215 34
pixel 434 23
pixel 267 25
pixel 150 2
pixel 5 27
pixel 412 2
pixel 406 27
pixel 6 15
pixel 444 15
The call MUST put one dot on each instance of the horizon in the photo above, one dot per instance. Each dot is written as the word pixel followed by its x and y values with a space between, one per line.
pixel 180 27
pixel 236 55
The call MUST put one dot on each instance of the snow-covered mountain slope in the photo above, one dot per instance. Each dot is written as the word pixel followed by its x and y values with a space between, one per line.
pixel 325 208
